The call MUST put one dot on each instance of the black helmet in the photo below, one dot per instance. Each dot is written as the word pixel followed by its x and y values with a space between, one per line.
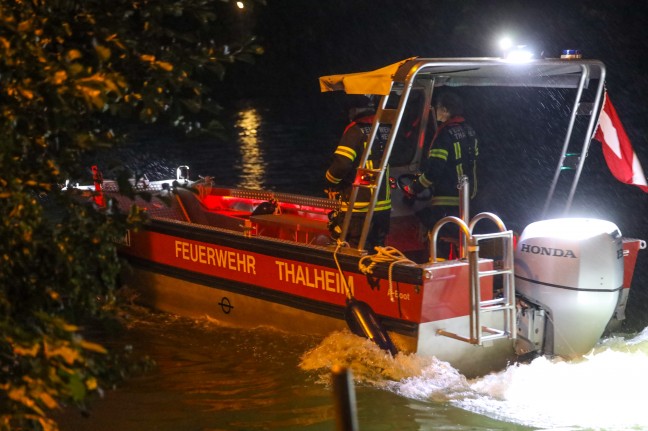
pixel 452 102
pixel 360 101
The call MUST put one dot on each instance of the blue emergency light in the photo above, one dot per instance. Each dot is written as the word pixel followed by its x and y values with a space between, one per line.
pixel 570 54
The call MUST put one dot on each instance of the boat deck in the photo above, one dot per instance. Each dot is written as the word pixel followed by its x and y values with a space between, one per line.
pixel 256 213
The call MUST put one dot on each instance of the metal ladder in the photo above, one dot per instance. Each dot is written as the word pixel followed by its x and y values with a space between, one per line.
pixel 369 177
pixel 478 334
pixel 572 158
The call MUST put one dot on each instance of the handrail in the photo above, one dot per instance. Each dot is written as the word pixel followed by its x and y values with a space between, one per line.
pixel 506 304
pixel 587 140
pixel 464 210
pixel 490 216
pixel 585 76
pixel 435 232
pixel 567 139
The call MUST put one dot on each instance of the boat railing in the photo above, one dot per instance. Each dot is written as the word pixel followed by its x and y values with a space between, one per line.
pixel 308 201
pixel 141 185
pixel 505 303
pixel 571 150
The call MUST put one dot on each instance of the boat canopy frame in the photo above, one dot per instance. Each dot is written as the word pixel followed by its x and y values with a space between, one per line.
pixel 428 73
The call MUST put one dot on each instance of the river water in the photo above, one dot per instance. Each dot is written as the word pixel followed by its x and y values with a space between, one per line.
pixel 209 377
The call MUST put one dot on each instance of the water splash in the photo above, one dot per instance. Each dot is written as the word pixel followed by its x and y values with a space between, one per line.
pixel 372 365
pixel 605 390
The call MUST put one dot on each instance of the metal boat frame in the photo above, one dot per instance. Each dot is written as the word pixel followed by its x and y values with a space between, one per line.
pixel 397 82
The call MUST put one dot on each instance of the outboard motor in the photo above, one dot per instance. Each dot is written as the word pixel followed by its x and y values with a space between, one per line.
pixel 571 268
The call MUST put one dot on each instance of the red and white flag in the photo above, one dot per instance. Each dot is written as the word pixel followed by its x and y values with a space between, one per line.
pixel 617 149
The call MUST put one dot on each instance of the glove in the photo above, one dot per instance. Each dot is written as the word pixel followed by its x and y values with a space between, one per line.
pixel 332 193
pixel 416 187
pixel 409 197
pixel 409 192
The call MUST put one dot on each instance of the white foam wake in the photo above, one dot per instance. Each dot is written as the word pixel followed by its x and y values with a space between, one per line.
pixel 605 390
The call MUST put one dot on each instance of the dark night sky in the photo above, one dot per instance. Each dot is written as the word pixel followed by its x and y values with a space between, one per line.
pixel 305 39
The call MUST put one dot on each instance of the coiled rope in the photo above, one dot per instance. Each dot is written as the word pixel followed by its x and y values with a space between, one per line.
pixel 384 254
pixel 344 282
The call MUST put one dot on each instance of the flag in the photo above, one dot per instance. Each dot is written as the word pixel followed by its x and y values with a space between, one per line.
pixel 617 149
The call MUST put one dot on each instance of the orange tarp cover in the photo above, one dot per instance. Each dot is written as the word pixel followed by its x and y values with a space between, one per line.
pixel 375 82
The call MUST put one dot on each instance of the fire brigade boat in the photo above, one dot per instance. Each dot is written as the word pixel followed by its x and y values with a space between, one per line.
pixel 263 258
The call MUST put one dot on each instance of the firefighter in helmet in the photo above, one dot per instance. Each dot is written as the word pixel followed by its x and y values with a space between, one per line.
pixel 452 154
pixel 342 173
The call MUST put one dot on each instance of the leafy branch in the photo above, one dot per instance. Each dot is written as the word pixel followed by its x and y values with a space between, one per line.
pixel 71 73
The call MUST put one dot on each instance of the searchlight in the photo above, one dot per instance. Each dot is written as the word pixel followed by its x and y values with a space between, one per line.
pixel 505 44
pixel 519 54
pixel 514 53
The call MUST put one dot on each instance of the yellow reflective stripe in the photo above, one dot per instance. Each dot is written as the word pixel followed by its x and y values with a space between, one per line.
pixel 439 153
pixel 386 185
pixel 363 207
pixel 331 179
pixel 347 152
pixel 457 148
pixel 445 201
pixel 424 181
pixel 383 205
pixel 458 166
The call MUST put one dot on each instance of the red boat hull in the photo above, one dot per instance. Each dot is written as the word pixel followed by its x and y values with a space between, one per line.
pixel 245 281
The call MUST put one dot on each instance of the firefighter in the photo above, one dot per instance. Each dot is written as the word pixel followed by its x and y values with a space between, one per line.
pixel 452 153
pixel 342 172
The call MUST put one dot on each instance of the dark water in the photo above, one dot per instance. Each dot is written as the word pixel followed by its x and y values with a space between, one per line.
pixel 214 378
pixel 281 144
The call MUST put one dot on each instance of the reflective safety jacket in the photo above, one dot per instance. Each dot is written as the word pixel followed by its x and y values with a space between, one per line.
pixel 453 153
pixel 346 159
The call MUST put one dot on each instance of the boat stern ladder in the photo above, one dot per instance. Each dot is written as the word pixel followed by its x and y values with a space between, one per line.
pixel 505 303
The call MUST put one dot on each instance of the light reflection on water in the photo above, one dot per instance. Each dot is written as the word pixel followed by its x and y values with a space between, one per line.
pixel 252 161
pixel 207 377
pixel 214 378
pixel 282 145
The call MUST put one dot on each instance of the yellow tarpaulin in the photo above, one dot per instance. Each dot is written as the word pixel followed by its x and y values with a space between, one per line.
pixel 374 82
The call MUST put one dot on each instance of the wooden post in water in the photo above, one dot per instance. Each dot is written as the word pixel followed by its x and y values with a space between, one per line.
pixel 346 418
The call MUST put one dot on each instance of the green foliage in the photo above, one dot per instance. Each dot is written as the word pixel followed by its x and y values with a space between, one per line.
pixel 69 71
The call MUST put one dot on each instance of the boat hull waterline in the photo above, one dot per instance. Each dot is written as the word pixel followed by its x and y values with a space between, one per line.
pixel 248 282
